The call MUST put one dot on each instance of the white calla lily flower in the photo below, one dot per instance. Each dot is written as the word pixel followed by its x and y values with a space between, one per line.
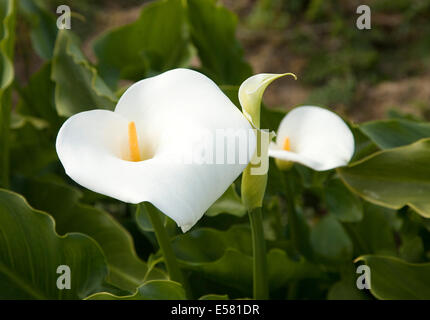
pixel 137 152
pixel 314 137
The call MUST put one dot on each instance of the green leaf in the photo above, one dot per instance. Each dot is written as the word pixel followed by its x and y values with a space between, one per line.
pixel 145 47
pixel 343 204
pixel 126 270
pixel 31 251
pixel 389 134
pixel 330 241
pixel 43 29
pixel 345 290
pixel 151 290
pixel 225 258
pixel 375 232
pixel 229 203
pixel 77 84
pixel 213 30
pixel 346 287
pixel 393 178
pixel 37 98
pixel 392 278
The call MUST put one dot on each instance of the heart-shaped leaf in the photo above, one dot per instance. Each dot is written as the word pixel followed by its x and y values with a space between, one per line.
pixel 31 252
pixel 72 74
pixel 126 270
pixel 394 133
pixel 392 278
pixel 393 178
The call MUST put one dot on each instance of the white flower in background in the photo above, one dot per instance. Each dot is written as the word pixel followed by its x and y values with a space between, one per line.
pixel 314 137
pixel 136 153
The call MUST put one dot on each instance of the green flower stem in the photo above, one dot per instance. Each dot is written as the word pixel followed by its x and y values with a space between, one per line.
pixel 172 265
pixel 261 286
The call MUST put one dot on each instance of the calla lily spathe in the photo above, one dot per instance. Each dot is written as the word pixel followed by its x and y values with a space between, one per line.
pixel 134 154
pixel 314 137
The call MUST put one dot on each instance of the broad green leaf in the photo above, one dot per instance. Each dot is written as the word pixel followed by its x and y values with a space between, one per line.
pixel 145 46
pixel 213 29
pixel 151 290
pixel 7 40
pixel 78 87
pixel 343 204
pixel 225 258
pixel 393 178
pixel 374 234
pixel 43 29
pixel 395 279
pixel 229 203
pixel 346 287
pixel 126 270
pixel 330 241
pixel 37 98
pixel 345 290
pixel 389 134
pixel 31 251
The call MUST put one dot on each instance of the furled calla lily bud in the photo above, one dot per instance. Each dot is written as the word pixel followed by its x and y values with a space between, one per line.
pixel 314 137
pixel 251 92
pixel 141 151
pixel 254 178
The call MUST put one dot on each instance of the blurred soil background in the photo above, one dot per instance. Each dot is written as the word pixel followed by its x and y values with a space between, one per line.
pixel 362 74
